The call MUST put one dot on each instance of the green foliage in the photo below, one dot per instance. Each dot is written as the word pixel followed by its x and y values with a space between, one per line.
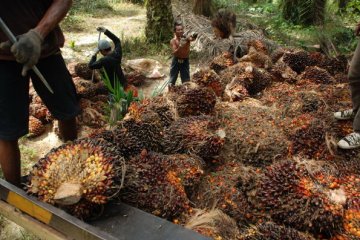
pixel 120 100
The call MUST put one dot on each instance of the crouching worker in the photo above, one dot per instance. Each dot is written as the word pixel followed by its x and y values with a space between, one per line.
pixel 35 23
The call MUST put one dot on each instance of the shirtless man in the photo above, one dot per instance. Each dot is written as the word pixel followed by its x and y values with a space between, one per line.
pixel 180 46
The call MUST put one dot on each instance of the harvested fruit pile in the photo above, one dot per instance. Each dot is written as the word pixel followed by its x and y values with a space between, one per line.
pixel 246 150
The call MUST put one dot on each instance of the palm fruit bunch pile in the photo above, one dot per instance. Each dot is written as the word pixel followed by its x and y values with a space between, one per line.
pixel 351 223
pixel 199 135
pixel 210 79
pixel 293 101
pixel 222 61
pixel 337 97
pixel 272 231
pixel 253 135
pixel 189 99
pixel 213 223
pixel 93 113
pixel 316 75
pixel 36 127
pixel 158 105
pixel 156 183
pixel 78 176
pixel 224 188
pixel 259 46
pixel 302 196
pixel 235 91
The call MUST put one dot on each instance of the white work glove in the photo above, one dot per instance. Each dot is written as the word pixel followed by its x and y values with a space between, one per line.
pixel 101 29
pixel 95 51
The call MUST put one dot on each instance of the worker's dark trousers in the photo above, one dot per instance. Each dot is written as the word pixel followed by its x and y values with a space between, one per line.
pixel 354 81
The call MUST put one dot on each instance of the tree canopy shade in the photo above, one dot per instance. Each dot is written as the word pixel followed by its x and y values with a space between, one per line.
pixel 304 12
pixel 159 21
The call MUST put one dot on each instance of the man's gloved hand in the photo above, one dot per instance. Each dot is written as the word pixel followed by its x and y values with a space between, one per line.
pixel 101 29
pixel 26 50
pixel 96 51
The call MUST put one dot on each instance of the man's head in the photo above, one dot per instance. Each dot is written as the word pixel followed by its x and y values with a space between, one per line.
pixel 104 47
pixel 178 29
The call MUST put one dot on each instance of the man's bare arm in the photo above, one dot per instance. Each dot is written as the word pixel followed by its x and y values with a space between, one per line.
pixel 53 16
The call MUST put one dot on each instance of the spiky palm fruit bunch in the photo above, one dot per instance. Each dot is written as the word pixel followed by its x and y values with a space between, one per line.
pixel 316 75
pixel 335 65
pixel 38 110
pixel 309 139
pixel 253 135
pixel 87 89
pixel 258 45
pixel 255 80
pixel 158 105
pixel 147 129
pixel 300 195
pixel 257 58
pixel 235 91
pixel 156 183
pixel 317 58
pixel 36 128
pixel 225 188
pixel 233 71
pixel 222 61
pixel 297 60
pixel 88 170
pixel 273 231
pixel 189 99
pixel 198 135
pixel 93 113
pixel 283 73
pixel 135 78
pixel 213 223
pixel 82 70
pixel 351 219
pixel 208 78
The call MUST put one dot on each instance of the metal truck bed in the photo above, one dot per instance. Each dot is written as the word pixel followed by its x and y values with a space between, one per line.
pixel 119 221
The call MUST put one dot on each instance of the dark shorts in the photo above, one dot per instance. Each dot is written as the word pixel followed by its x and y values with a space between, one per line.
pixel 182 66
pixel 14 95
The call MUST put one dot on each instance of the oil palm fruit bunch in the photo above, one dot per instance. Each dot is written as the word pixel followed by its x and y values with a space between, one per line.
pixel 87 89
pixel 222 61
pixel 335 65
pixel 83 171
pixel 283 73
pixel 210 79
pixel 38 110
pixel 135 78
pixel 223 189
pixel 259 46
pixel 308 140
pixel 155 183
pixel 213 223
pixel 147 129
pixel 253 133
pixel 257 58
pixel 190 99
pixel 235 91
pixel 36 128
pixel 82 70
pixel 297 60
pixel 93 113
pixel 255 80
pixel 301 195
pixel 158 105
pixel 316 75
pixel 273 231
pixel 351 220
pixel 199 135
